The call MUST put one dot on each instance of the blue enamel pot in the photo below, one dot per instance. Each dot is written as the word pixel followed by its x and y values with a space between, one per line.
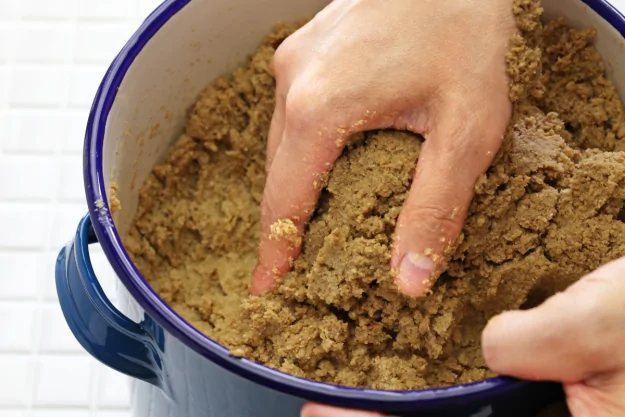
pixel 139 108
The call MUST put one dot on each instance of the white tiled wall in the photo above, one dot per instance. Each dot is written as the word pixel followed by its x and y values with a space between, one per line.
pixel 53 54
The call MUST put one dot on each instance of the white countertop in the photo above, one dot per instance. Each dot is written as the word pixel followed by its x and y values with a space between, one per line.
pixel 53 54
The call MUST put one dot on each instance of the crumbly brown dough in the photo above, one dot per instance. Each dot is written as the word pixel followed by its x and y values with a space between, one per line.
pixel 284 229
pixel 115 204
pixel 549 210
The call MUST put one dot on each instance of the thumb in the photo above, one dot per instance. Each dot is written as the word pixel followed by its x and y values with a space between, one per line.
pixel 571 337
pixel 575 337
pixel 433 214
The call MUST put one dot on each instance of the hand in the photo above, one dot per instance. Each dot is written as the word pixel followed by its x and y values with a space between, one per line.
pixel 318 410
pixel 576 337
pixel 437 69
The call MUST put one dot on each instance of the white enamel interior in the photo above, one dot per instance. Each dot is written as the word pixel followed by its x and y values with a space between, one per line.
pixel 207 39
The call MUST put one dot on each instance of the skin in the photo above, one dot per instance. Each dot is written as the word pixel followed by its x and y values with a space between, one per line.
pixel 406 69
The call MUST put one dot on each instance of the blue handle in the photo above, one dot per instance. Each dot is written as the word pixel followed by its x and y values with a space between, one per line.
pixel 99 327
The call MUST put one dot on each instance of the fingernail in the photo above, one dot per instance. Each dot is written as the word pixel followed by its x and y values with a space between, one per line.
pixel 415 274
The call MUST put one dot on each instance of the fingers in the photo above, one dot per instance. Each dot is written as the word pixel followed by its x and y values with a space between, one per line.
pixel 283 63
pixel 304 154
pixel 451 159
pixel 573 336
pixel 276 129
pixel 600 396
pixel 318 410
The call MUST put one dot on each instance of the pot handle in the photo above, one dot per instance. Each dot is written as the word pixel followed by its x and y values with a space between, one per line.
pixel 99 327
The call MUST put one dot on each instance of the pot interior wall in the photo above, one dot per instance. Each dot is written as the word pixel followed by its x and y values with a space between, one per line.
pixel 209 38
pixel 205 40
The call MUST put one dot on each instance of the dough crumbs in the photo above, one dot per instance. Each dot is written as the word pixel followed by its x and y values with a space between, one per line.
pixel 284 229
pixel 116 205
pixel 548 210
pixel 237 352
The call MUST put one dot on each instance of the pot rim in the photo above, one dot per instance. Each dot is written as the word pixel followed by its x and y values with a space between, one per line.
pixel 153 305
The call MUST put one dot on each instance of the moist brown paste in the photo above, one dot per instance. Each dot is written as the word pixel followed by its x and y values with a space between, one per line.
pixel 549 210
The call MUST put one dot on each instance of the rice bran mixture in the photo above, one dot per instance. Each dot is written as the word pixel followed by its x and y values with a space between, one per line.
pixel 549 210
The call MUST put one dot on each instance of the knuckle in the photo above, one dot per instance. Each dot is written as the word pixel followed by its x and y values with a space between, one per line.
pixel 468 140
pixel 461 128
pixel 287 56
pixel 434 219
pixel 592 310
pixel 305 105
pixel 282 58
pixel 590 318
pixel 270 208
pixel 466 116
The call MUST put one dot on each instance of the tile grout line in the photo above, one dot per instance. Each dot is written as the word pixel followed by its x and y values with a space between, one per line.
pixel 11 64
pixel 36 330
pixel 70 62
pixel 53 200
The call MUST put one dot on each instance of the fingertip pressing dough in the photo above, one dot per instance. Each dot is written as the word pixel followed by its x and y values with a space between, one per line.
pixel 549 210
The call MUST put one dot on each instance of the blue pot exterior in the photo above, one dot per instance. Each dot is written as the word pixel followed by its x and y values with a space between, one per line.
pixel 179 372
pixel 199 388
pixel 202 389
